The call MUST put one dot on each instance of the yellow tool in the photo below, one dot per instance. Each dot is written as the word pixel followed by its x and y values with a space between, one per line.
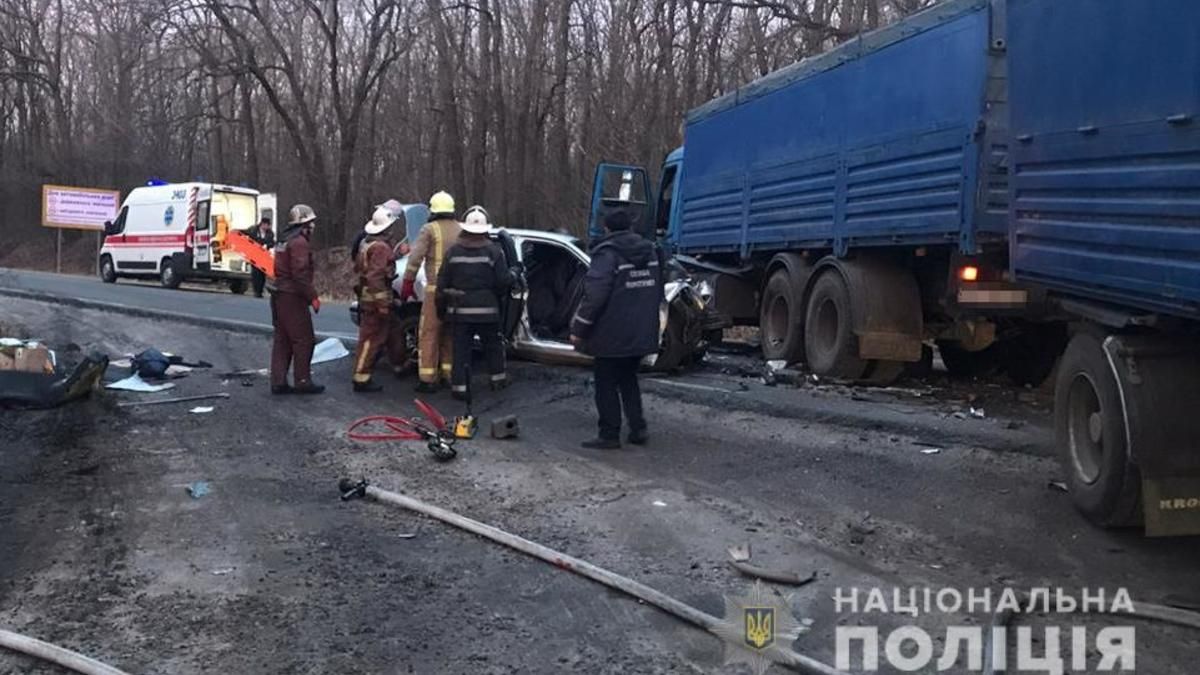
pixel 465 427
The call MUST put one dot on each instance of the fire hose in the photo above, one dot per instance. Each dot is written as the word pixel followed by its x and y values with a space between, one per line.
pixel 783 656
pixel 55 654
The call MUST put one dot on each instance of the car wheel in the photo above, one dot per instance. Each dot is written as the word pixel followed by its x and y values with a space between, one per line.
pixel 237 286
pixel 108 270
pixel 1089 426
pixel 407 323
pixel 168 276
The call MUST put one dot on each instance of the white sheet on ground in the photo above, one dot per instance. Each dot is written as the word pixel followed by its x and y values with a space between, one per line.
pixel 136 383
pixel 330 349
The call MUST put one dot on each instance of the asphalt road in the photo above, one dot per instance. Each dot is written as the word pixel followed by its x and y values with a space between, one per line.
pixel 104 551
pixel 195 300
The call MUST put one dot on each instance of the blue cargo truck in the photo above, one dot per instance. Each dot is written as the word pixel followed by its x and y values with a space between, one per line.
pixel 1006 180
pixel 1105 216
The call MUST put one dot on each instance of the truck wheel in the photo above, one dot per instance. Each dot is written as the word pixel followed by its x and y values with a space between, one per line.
pixel 780 319
pixel 1089 429
pixel 108 271
pixel 168 276
pixel 829 343
pixel 237 286
pixel 1029 357
pixel 962 363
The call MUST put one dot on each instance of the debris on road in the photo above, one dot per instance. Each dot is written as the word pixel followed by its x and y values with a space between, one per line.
pixel 977 413
pixel 330 349
pixel 201 410
pixel 931 451
pixel 505 427
pixel 198 489
pixel 137 384
pixel 740 560
pixel 1058 485
pixel 179 399
pixel 222 571
pixel 658 502
pixel 39 389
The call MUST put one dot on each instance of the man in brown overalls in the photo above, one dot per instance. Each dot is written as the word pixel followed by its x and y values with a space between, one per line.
pixel 434 358
pixel 292 293
pixel 376 268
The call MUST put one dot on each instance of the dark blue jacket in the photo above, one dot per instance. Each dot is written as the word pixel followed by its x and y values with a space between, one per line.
pixel 622 294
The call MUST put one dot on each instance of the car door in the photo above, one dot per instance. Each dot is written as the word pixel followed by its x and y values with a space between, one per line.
pixel 514 305
pixel 525 339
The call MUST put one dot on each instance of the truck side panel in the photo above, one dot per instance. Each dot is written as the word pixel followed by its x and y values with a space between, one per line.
pixel 1106 152
pixel 877 142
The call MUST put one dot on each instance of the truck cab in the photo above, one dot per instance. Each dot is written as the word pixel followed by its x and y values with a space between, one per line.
pixel 621 186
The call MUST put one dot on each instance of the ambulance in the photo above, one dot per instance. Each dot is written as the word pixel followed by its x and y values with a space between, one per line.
pixel 176 232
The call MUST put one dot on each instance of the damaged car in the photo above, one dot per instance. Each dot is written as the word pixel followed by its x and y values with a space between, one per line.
pixel 538 312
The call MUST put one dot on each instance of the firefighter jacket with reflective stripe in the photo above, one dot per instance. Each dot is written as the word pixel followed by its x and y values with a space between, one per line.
pixel 294 265
pixel 376 268
pixel 473 281
pixel 623 291
pixel 430 249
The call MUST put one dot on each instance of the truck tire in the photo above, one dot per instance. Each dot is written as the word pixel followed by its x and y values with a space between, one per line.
pixel 168 276
pixel 963 363
pixel 237 286
pixel 830 346
pixel 108 270
pixel 1028 358
pixel 780 318
pixel 1089 429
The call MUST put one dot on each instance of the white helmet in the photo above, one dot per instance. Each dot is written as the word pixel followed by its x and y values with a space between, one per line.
pixel 476 221
pixel 301 214
pixel 381 220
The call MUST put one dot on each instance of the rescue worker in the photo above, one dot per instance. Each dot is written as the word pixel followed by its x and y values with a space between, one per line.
pixel 265 236
pixel 470 293
pixel 375 265
pixel 436 238
pixel 292 293
pixel 617 323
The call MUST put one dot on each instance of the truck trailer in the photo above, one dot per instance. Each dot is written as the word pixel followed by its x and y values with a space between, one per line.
pixel 1105 219
pixel 1006 179
pixel 853 205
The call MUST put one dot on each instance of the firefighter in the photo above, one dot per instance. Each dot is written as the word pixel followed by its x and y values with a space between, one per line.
pixel 375 265
pixel 292 293
pixel 470 291
pixel 617 323
pixel 435 239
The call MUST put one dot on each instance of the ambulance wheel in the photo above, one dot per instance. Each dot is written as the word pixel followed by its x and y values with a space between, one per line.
pixel 237 286
pixel 108 271
pixel 168 276
pixel 1089 429
pixel 830 345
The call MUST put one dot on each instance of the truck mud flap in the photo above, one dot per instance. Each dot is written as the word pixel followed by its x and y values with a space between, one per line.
pixel 1159 383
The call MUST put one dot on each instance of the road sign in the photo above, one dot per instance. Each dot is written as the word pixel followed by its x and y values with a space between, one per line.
pixel 76 208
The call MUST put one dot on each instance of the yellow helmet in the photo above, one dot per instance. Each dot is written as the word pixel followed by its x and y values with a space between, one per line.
pixel 441 203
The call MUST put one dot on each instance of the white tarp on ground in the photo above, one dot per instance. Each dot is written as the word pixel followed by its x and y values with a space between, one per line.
pixel 136 383
pixel 330 349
